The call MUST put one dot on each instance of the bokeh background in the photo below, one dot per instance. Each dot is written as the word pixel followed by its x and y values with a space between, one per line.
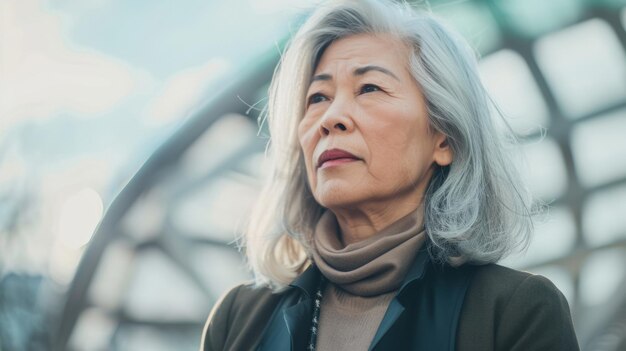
pixel 130 155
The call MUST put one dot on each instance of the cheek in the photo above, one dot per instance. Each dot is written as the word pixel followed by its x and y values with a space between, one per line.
pixel 308 142
pixel 398 149
pixel 304 136
pixel 391 140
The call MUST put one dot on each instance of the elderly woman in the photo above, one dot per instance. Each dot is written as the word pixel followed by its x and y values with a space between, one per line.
pixel 390 201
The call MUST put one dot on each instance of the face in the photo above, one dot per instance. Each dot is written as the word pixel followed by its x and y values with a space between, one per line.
pixel 364 104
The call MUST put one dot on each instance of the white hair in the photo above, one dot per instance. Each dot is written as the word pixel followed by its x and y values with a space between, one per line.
pixel 476 209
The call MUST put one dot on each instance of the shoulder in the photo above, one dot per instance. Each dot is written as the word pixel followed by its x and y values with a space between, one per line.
pixel 237 316
pixel 246 294
pixel 516 309
pixel 501 282
pixel 507 287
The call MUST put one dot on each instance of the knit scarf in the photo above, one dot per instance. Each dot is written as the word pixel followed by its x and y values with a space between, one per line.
pixel 373 266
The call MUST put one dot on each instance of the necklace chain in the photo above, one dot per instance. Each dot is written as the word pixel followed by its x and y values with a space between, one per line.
pixel 316 314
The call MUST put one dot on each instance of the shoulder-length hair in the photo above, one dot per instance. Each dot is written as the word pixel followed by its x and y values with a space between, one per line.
pixel 476 209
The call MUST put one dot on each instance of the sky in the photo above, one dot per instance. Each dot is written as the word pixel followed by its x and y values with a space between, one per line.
pixel 89 89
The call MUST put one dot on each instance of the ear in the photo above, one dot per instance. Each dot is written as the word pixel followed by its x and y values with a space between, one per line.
pixel 442 153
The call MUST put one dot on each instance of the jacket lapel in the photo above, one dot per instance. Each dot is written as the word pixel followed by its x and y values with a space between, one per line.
pixel 290 322
pixel 424 314
pixel 396 308
pixel 297 318
pixel 394 311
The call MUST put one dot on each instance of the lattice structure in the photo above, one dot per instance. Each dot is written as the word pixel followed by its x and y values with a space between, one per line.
pixel 165 250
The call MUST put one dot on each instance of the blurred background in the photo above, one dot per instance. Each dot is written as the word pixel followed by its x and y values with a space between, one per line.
pixel 130 155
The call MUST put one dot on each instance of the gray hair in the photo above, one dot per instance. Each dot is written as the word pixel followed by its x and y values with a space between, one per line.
pixel 476 210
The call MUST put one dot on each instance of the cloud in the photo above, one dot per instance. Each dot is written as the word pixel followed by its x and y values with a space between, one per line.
pixel 44 74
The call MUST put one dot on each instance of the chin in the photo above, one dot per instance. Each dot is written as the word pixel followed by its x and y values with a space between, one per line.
pixel 337 199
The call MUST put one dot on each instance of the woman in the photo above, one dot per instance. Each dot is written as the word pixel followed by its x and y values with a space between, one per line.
pixel 391 200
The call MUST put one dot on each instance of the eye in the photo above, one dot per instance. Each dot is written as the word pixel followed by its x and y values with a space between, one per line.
pixel 315 98
pixel 369 88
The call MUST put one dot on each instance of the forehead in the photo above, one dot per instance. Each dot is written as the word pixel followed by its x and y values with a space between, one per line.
pixel 363 49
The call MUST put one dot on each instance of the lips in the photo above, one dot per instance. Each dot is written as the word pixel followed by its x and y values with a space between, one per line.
pixel 334 154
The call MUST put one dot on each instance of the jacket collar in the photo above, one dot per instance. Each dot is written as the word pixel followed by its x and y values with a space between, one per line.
pixel 417 270
pixel 308 280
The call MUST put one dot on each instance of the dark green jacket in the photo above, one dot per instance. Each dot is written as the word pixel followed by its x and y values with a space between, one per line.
pixel 471 307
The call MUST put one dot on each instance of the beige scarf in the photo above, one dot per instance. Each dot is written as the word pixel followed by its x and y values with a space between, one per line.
pixel 370 267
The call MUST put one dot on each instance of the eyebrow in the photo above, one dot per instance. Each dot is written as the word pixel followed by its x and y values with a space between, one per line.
pixel 357 72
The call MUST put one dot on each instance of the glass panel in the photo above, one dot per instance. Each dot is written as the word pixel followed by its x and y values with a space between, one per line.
pixel 219 268
pixel 112 276
pixel 583 78
pixel 225 137
pixel 216 210
pixel 161 291
pixel 599 148
pixel 145 219
pixel 601 276
pixel 604 221
pixel 533 17
pixel 93 331
pixel 474 21
pixel 545 169
pixel 554 237
pixel 512 86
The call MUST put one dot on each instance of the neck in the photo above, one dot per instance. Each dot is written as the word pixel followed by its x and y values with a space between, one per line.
pixel 358 224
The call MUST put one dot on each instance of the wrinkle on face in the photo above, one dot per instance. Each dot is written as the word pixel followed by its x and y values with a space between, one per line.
pixel 386 125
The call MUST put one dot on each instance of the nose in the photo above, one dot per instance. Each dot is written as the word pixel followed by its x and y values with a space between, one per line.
pixel 337 119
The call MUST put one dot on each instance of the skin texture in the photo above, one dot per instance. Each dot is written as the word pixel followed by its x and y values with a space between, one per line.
pixel 380 117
